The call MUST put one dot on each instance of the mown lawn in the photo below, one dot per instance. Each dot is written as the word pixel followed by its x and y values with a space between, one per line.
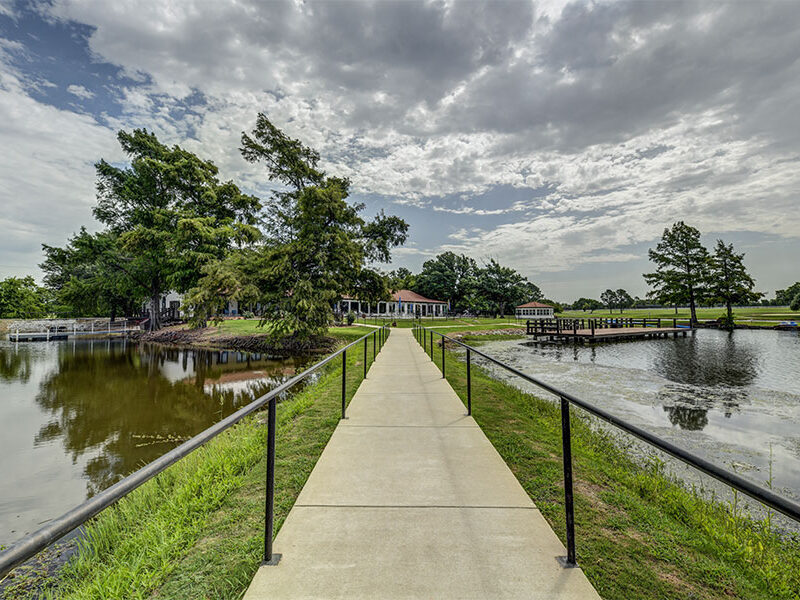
pixel 640 534
pixel 229 327
pixel 764 315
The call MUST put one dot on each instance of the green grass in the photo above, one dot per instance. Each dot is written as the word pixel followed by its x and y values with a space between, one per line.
pixel 196 530
pixel 640 534
pixel 759 315
pixel 438 322
pixel 251 327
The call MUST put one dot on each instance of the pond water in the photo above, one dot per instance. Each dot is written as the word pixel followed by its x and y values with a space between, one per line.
pixel 733 398
pixel 75 417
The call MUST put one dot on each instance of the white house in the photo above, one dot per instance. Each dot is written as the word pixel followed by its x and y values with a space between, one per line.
pixel 404 304
pixel 535 310
pixel 172 302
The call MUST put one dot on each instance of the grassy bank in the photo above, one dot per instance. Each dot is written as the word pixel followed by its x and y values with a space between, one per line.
pixel 766 316
pixel 196 530
pixel 639 533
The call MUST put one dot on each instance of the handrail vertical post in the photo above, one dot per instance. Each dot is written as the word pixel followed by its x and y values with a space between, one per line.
pixel 365 358
pixel 442 340
pixel 566 444
pixel 469 383
pixel 374 335
pixel 432 346
pixel 269 516
pixel 344 382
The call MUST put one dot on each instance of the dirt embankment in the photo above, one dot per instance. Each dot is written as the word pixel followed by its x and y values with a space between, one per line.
pixel 514 331
pixel 211 338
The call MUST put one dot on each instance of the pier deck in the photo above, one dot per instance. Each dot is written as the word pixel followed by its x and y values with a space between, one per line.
pixel 595 330
pixel 410 500
pixel 621 332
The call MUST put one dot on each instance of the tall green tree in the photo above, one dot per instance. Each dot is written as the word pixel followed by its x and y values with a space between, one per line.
pixel 785 297
pixel 623 299
pixel 222 282
pixel 450 277
pixel 21 298
pixel 609 299
pixel 317 247
pixel 795 304
pixel 402 279
pixel 499 288
pixel 682 266
pixel 170 215
pixel 85 280
pixel 729 281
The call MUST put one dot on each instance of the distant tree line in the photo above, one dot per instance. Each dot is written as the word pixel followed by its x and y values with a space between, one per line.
pixel 489 289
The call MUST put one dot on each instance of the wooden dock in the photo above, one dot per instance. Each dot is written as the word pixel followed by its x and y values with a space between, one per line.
pixel 598 330
pixel 54 334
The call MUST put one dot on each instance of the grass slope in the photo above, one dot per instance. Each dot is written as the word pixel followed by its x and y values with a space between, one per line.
pixel 640 534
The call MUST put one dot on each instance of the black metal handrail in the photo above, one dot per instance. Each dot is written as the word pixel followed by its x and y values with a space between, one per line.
pixel 765 496
pixel 37 541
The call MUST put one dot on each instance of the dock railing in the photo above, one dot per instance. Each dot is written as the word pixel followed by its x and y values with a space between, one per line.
pixel 62 329
pixel 32 544
pixel 425 337
pixel 561 325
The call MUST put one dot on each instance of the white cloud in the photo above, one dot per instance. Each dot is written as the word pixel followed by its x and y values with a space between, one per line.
pixel 46 169
pixel 80 91
pixel 7 8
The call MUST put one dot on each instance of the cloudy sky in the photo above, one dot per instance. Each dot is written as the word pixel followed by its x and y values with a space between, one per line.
pixel 557 137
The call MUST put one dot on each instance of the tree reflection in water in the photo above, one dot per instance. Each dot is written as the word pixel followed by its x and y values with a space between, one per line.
pixel 716 362
pixel 15 363
pixel 125 405
pixel 687 406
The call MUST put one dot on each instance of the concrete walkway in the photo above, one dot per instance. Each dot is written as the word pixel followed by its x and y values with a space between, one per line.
pixel 410 500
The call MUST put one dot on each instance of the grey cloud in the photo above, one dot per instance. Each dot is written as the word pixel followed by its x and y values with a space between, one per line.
pixel 643 65
pixel 628 111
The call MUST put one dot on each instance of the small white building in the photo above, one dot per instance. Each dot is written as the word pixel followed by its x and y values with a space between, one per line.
pixel 535 310
pixel 404 304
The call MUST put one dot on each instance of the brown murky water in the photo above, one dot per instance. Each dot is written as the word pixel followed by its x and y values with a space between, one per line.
pixel 75 417
pixel 733 398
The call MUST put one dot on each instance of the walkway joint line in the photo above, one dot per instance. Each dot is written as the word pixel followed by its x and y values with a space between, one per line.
pixel 407 497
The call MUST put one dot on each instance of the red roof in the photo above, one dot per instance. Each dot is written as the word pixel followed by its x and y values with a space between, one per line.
pixel 409 296
pixel 405 296
pixel 535 305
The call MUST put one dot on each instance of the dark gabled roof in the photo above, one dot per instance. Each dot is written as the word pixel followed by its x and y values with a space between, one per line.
pixel 535 305
pixel 409 296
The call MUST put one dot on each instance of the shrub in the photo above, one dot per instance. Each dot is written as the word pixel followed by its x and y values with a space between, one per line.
pixel 351 318
pixel 795 305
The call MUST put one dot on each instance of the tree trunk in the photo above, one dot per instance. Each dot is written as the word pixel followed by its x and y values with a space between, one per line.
pixel 692 309
pixel 730 315
pixel 155 312
pixel 113 312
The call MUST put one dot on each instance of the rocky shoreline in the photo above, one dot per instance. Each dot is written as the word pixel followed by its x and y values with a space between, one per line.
pixel 209 338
